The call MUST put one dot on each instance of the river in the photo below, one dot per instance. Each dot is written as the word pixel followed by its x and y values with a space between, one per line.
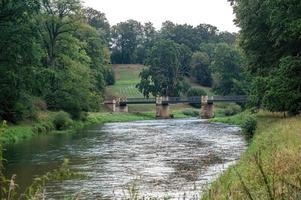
pixel 161 158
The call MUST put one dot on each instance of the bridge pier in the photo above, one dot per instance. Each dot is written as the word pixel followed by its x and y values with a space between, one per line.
pixel 207 108
pixel 162 109
pixel 111 105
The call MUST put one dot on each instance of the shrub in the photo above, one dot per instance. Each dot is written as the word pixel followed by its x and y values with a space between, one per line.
pixel 192 113
pixel 249 125
pixel 232 109
pixel 44 127
pixel 62 120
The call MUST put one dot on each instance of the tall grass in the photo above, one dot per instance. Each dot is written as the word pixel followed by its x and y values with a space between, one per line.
pixel 271 167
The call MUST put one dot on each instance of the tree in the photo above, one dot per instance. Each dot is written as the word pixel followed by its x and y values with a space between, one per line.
pixel 271 43
pixel 184 58
pixel 58 18
pixel 227 70
pixel 146 43
pixel 284 87
pixel 187 34
pixel 162 77
pixel 19 54
pixel 125 38
pixel 200 64
pixel 74 54
pixel 99 21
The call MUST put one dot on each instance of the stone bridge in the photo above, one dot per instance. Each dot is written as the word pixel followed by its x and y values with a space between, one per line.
pixel 163 103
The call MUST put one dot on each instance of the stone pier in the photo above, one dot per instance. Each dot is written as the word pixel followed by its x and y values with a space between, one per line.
pixel 207 109
pixel 111 105
pixel 162 109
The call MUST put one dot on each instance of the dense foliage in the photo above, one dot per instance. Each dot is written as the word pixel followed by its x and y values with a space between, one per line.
pixel 270 39
pixel 162 78
pixel 55 50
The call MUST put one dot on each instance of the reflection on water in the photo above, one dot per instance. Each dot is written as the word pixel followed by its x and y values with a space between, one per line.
pixel 163 158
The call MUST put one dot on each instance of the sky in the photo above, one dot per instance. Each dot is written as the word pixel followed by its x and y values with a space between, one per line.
pixel 215 12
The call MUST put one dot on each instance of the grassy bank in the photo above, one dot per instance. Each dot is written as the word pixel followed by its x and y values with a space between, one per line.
pixel 27 130
pixel 44 125
pixel 271 166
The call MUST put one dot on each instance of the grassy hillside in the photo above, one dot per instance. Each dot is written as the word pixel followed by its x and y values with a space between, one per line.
pixel 127 77
pixel 271 166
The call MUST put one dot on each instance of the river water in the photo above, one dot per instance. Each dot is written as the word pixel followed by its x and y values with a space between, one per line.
pixel 160 158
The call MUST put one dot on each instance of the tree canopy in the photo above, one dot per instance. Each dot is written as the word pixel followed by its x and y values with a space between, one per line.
pixel 271 43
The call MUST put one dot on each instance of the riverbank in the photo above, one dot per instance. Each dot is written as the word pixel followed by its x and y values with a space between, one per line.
pixel 271 166
pixel 44 125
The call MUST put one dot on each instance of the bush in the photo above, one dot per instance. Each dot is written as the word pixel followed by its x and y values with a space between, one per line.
pixel 62 120
pixel 249 125
pixel 232 109
pixel 192 113
pixel 44 127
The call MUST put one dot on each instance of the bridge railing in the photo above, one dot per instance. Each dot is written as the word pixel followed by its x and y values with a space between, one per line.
pixel 137 100
pixel 183 100
pixel 174 100
pixel 238 98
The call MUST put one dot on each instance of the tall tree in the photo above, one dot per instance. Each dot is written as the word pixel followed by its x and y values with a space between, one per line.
pixel 162 77
pixel 270 39
pixel 200 64
pixel 19 53
pixel 227 69
pixel 125 38
pixel 99 21
pixel 59 18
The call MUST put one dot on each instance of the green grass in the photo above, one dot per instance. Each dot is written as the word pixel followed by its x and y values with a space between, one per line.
pixel 271 166
pixel 235 119
pixel 127 77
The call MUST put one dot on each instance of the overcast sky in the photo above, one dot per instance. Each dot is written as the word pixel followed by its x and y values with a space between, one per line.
pixel 216 12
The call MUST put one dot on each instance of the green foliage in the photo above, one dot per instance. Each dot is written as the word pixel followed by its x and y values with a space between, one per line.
pixel 196 92
pixel 125 37
pixel 249 125
pixel 184 58
pixel 162 77
pixel 270 40
pixel 191 113
pixel 62 120
pixel 284 87
pixel 110 76
pixel 19 52
pixel 43 127
pixel 227 68
pixel 232 109
pixel 200 64
pixel 99 21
